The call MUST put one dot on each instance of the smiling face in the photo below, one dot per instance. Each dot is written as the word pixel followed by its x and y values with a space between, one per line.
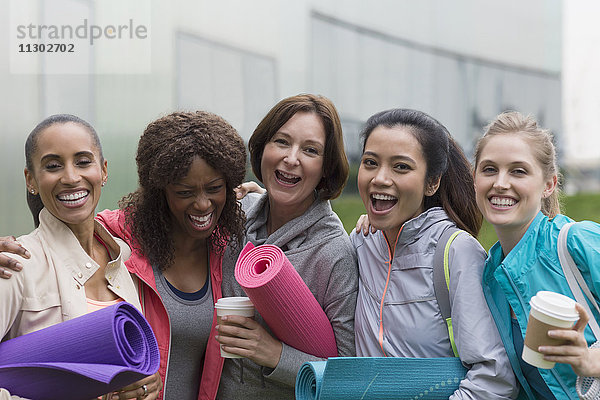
pixel 197 200
pixel 68 172
pixel 509 184
pixel 391 178
pixel 292 162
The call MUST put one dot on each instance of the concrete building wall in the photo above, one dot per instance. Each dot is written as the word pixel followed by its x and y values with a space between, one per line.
pixel 462 61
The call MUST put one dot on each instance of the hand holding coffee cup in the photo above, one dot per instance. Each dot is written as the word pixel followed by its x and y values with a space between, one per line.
pixel 549 311
pixel 584 360
pixel 233 306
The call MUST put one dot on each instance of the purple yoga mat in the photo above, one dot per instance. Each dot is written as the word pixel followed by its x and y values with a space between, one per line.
pixel 81 358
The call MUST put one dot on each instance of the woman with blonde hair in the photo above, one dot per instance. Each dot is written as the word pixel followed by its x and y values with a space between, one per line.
pixel 516 178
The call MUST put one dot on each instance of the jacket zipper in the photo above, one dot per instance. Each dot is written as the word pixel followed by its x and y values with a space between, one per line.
pixel 387 281
pixel 506 339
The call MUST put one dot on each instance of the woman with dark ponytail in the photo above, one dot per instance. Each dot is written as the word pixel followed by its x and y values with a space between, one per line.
pixel 416 184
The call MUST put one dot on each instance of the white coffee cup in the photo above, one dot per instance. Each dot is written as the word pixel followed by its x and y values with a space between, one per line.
pixel 549 310
pixel 233 306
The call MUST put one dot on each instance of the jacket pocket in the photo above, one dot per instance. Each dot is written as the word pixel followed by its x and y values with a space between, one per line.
pixel 410 285
pixel 38 313
pixel 40 303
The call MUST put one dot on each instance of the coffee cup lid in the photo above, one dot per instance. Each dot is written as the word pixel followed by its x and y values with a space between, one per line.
pixel 235 302
pixel 555 305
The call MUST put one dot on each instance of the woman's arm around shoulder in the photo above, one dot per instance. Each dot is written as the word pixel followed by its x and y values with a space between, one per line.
pixel 10 245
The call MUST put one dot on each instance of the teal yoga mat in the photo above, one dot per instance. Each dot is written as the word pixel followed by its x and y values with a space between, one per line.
pixel 381 378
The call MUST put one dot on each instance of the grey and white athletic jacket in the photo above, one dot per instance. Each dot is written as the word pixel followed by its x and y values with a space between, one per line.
pixel 412 322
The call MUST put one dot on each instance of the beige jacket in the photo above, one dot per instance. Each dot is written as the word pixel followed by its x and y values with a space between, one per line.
pixel 50 288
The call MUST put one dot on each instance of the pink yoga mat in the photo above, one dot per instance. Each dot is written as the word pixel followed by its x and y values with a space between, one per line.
pixel 284 301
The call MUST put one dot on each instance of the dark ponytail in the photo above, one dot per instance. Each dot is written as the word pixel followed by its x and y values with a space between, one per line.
pixel 445 160
pixel 34 202
pixel 456 193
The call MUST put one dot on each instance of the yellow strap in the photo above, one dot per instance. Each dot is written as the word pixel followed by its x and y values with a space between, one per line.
pixel 446 256
pixel 447 275
pixel 451 336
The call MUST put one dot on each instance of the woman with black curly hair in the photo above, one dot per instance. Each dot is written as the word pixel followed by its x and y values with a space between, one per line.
pixel 178 223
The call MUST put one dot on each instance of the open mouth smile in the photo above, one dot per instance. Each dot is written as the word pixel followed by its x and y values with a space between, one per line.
pixel 502 202
pixel 286 179
pixel 382 203
pixel 201 222
pixel 75 199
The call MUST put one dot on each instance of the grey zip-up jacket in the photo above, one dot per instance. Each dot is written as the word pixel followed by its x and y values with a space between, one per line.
pixel 412 323
pixel 320 250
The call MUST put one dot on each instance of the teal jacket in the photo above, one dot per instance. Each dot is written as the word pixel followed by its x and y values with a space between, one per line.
pixel 533 265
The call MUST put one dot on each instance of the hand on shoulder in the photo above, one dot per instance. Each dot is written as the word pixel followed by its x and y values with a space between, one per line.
pixel 9 244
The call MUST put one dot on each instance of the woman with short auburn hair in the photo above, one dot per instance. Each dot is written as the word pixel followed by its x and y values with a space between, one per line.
pixel 335 164
pixel 297 152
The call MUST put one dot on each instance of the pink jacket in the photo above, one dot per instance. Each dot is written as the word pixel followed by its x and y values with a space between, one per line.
pixel 155 312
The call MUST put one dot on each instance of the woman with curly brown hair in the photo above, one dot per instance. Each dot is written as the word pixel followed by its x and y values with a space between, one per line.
pixel 178 223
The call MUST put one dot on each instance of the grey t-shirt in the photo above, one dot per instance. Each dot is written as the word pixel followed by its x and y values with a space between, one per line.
pixel 191 316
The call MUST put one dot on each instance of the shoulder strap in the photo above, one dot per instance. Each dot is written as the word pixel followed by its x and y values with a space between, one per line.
pixel 441 279
pixel 575 279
